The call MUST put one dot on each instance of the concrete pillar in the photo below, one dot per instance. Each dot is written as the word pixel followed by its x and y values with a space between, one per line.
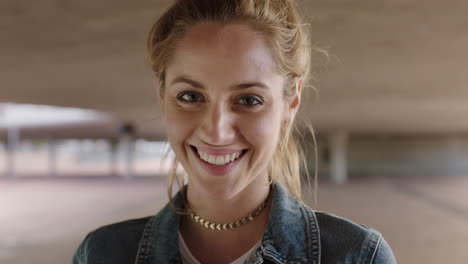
pixel 52 153
pixel 128 145
pixel 113 147
pixel 127 141
pixel 13 141
pixel 338 157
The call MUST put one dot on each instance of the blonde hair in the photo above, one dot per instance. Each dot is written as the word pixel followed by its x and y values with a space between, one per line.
pixel 280 24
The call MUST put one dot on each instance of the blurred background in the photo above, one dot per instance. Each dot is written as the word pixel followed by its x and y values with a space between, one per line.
pixel 82 144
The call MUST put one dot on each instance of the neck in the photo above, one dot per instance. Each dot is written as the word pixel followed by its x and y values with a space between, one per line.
pixel 224 210
pixel 213 246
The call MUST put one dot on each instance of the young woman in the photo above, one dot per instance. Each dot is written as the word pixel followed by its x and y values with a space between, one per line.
pixel 230 76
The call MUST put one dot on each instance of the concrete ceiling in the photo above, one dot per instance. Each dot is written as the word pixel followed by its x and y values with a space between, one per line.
pixel 396 66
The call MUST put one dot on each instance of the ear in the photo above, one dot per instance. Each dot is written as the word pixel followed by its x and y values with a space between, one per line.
pixel 293 104
pixel 160 93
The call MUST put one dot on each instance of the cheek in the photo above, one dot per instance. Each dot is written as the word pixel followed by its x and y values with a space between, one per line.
pixel 262 131
pixel 179 125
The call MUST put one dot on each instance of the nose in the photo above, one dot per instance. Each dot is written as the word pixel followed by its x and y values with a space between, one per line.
pixel 217 126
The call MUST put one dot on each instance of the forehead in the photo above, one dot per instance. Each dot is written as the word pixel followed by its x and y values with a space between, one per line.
pixel 211 48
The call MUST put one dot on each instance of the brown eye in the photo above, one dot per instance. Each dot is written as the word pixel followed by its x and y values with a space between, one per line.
pixel 250 101
pixel 189 97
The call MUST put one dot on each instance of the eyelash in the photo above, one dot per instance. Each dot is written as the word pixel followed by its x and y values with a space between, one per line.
pixel 182 94
pixel 258 100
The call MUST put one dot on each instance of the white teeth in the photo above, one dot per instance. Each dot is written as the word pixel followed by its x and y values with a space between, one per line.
pixel 211 159
pixel 218 160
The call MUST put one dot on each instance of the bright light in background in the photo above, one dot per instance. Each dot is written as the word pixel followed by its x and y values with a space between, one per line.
pixel 25 115
pixel 69 154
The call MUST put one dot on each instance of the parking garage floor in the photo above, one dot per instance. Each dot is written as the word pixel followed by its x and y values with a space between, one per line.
pixel 42 221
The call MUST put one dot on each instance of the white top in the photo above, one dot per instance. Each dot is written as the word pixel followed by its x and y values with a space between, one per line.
pixel 188 258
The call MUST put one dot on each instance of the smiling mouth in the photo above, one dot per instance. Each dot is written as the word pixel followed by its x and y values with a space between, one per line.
pixel 218 160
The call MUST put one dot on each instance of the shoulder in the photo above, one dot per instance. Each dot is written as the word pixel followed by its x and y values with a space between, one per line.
pixel 344 240
pixel 115 243
pixel 297 230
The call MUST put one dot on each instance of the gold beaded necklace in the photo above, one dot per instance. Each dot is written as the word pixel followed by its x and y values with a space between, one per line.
pixel 232 225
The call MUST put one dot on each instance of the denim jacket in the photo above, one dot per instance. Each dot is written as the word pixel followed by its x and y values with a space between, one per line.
pixel 295 234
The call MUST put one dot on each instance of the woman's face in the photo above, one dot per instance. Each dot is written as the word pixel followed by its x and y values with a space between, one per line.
pixel 223 106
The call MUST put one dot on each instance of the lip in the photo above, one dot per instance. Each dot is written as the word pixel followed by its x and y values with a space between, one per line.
pixel 213 151
pixel 218 170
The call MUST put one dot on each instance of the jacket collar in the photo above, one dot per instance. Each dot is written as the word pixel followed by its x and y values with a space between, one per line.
pixel 163 240
pixel 292 234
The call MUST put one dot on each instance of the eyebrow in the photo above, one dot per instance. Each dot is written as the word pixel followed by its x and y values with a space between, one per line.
pixel 242 86
pixel 183 79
